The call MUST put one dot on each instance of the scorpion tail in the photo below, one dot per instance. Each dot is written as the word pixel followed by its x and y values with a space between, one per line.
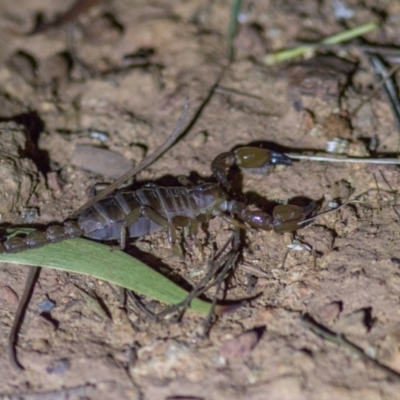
pixel 35 239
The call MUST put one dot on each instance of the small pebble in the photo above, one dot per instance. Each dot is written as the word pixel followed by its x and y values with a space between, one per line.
pixel 54 69
pixel 240 346
pixel 46 305
pixel 102 136
pixel 23 65
pixel 200 139
pixel 331 311
pixel 102 30
pixel 100 161
pixel 58 367
pixel 29 214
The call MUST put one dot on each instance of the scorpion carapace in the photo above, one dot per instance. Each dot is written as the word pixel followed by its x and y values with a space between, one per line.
pixel 153 208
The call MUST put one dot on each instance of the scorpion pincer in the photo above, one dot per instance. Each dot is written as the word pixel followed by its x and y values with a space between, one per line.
pixel 153 208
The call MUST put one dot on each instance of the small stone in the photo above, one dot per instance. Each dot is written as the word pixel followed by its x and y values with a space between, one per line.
pixel 104 29
pixel 330 312
pixel 24 65
pixel 59 367
pixel 200 139
pixel 319 238
pixel 337 126
pixel 54 69
pixel 240 346
pixel 46 305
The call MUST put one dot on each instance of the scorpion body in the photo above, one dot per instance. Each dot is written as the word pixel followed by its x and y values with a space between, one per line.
pixel 153 208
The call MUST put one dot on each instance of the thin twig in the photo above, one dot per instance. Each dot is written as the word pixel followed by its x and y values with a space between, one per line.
pixel 393 192
pixel 306 221
pixel 377 89
pixel 33 274
pixel 206 283
pixel 354 160
pixel 390 86
pixel 389 52
pixel 78 8
pixel 287 252
pixel 377 187
pixel 81 391
pixel 200 287
pixel 235 10
pixel 228 263
pixel 288 54
pixel 254 271
pixel 227 90
pixel 143 164
pixel 340 340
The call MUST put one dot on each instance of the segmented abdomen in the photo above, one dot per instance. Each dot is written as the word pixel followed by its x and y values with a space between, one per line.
pixel 103 221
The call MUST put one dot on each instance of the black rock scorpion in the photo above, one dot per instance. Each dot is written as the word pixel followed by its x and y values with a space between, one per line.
pixel 153 208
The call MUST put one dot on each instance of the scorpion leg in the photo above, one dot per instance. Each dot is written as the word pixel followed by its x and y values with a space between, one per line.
pixel 253 159
pixel 134 216
pixel 190 227
pixel 129 219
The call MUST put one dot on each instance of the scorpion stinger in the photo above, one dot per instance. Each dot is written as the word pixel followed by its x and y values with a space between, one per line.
pixel 252 159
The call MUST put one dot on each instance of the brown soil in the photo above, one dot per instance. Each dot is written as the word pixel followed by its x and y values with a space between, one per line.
pixel 350 280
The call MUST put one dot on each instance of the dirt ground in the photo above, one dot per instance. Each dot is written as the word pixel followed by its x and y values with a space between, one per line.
pixel 117 79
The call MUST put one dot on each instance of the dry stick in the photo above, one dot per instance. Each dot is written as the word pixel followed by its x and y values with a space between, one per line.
pixel 255 271
pixel 227 264
pixel 392 71
pixel 353 160
pixel 306 221
pixel 227 90
pixel 388 52
pixel 393 192
pixel 78 8
pixel 81 391
pixel 142 165
pixel 340 340
pixel 199 288
pixel 390 87
pixel 377 187
pixel 197 291
pixel 33 274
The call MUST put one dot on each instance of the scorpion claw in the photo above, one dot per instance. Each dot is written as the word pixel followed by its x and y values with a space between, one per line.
pixel 253 159
pixel 279 158
pixel 287 218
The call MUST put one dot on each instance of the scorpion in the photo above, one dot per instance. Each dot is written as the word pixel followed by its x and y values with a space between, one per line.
pixel 153 208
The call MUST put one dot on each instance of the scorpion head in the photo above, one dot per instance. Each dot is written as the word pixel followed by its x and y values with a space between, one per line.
pixel 210 199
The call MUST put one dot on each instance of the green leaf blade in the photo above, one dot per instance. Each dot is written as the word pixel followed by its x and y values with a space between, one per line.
pixel 97 260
